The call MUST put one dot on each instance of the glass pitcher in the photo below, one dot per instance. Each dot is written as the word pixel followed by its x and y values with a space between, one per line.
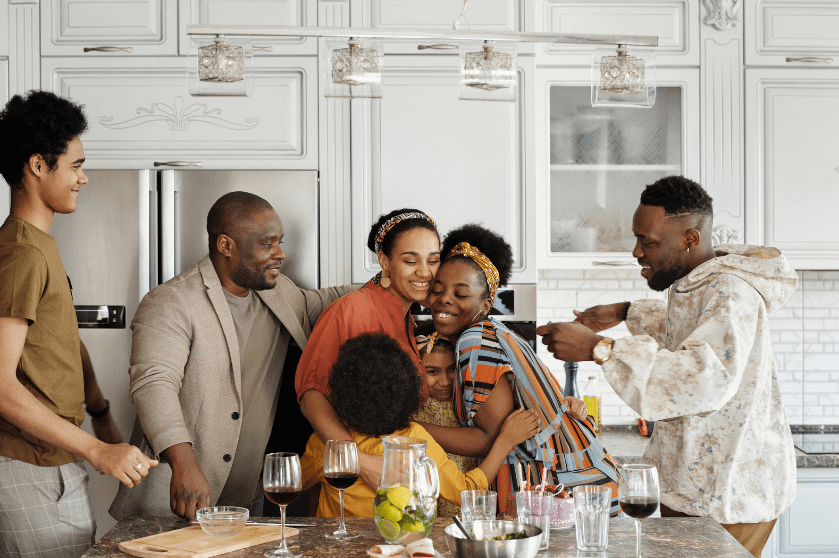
pixel 406 500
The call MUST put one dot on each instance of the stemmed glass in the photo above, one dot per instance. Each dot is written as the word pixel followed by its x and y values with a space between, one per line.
pixel 340 467
pixel 638 495
pixel 282 483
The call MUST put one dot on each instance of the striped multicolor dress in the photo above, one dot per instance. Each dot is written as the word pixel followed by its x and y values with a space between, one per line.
pixel 487 352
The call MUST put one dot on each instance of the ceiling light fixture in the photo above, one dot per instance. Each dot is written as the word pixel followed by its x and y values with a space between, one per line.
pixel 488 74
pixel 220 66
pixel 353 69
pixel 623 79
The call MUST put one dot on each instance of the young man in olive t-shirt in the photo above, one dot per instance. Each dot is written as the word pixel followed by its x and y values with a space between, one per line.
pixel 45 506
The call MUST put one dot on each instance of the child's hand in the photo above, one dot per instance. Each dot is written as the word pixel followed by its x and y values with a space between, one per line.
pixel 519 426
pixel 576 408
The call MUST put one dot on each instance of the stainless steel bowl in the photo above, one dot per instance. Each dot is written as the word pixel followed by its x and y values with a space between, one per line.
pixel 462 547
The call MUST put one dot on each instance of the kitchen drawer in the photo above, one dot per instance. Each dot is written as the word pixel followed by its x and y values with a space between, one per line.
pixel 780 29
pixel 139 113
pixel 142 27
pixel 301 13
pixel 674 22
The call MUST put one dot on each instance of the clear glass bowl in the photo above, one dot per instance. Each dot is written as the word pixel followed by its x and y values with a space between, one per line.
pixel 222 520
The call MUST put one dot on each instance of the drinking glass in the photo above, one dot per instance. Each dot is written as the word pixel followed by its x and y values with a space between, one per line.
pixel 534 507
pixel 477 505
pixel 638 495
pixel 282 483
pixel 340 467
pixel 591 517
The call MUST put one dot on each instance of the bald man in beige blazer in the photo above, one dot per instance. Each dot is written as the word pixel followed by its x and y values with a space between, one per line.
pixel 196 406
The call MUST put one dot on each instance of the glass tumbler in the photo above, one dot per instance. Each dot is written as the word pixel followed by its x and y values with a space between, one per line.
pixel 534 507
pixel 591 509
pixel 478 505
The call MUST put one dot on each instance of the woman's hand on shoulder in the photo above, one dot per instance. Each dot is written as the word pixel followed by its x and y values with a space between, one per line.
pixel 576 408
pixel 519 426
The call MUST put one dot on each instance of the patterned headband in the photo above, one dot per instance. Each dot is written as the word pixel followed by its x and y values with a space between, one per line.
pixel 466 249
pixel 393 221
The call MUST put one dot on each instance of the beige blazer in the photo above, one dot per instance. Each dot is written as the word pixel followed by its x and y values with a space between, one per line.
pixel 185 383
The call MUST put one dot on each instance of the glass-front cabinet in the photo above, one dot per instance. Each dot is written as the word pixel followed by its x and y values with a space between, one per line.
pixel 593 162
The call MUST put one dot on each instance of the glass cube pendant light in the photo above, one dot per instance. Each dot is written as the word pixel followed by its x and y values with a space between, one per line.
pixel 220 66
pixel 353 69
pixel 488 72
pixel 619 78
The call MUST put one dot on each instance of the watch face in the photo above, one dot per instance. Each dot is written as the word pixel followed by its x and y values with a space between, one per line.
pixel 601 351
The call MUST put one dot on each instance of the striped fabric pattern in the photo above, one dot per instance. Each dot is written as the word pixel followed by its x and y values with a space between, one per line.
pixel 569 449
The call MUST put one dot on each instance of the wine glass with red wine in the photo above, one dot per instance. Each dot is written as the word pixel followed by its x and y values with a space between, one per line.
pixel 282 483
pixel 340 467
pixel 638 495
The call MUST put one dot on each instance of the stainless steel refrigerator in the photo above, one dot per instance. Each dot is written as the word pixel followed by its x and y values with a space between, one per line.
pixel 135 229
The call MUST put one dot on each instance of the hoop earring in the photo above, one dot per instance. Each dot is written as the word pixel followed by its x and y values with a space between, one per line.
pixel 476 316
pixel 385 279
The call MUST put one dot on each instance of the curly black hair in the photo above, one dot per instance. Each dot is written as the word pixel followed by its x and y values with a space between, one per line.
pixel 678 196
pixel 489 242
pixel 374 385
pixel 41 123
pixel 398 229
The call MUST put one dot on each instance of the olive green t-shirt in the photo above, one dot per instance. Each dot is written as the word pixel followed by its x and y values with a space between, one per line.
pixel 34 286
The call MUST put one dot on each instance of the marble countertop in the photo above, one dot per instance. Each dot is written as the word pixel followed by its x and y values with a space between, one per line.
pixel 661 538
pixel 626 445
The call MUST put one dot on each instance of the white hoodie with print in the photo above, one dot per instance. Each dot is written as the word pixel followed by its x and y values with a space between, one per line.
pixel 701 365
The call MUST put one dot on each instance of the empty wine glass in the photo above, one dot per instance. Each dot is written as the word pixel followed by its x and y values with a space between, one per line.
pixel 340 467
pixel 282 483
pixel 638 495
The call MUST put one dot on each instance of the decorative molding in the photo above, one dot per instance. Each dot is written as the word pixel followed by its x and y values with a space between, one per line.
pixel 178 118
pixel 24 47
pixel 722 14
pixel 723 235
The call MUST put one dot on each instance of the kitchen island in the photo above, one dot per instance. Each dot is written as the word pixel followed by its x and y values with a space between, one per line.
pixel 661 538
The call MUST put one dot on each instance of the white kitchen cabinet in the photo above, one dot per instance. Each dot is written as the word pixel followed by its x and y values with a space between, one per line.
pixel 300 13
pixel 792 33
pixel 5 193
pixel 461 161
pixel 674 22
pixel 792 163
pixel 593 163
pixel 140 113
pixel 109 27
pixel 808 528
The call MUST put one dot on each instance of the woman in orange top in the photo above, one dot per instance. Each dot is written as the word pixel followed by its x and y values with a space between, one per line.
pixel 408 248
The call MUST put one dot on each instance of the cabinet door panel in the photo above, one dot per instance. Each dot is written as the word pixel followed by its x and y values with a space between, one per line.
pixel 674 22
pixel 781 29
pixel 461 161
pixel 793 157
pixel 302 13
pixel 147 26
pixel 808 527
pixel 142 113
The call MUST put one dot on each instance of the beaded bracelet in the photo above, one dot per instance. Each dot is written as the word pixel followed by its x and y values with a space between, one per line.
pixel 625 311
pixel 99 414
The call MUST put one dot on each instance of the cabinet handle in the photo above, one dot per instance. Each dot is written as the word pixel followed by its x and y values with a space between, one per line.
pixel 108 49
pixel 179 164
pixel 811 59
pixel 615 264
pixel 437 47
pixel 265 48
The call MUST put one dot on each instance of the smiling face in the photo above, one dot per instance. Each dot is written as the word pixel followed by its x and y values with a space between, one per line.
pixel 459 297
pixel 414 260
pixel 59 188
pixel 439 373
pixel 256 253
pixel 660 247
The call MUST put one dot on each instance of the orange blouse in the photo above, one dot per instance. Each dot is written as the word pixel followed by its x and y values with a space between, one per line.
pixel 370 309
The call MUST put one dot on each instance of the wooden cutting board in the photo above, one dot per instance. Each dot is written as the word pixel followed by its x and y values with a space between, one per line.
pixel 193 542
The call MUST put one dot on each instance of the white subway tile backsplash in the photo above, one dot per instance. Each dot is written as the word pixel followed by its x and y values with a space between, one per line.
pixel 805 336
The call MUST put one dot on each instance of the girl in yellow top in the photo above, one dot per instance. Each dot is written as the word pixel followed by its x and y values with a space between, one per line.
pixel 375 389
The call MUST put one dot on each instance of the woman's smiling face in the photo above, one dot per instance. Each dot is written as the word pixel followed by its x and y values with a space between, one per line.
pixel 458 298
pixel 414 259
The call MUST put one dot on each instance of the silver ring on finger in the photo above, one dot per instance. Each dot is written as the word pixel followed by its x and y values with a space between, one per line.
pixel 139 466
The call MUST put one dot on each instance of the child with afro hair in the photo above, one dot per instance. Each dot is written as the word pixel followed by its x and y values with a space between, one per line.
pixel 375 389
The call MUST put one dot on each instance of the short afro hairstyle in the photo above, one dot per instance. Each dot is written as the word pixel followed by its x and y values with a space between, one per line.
pixel 678 196
pixel 374 385
pixel 490 243
pixel 41 123
pixel 398 229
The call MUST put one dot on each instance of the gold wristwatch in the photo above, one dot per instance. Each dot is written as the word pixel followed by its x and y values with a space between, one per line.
pixel 602 351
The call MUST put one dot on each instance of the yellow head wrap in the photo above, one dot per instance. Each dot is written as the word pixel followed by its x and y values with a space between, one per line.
pixel 466 249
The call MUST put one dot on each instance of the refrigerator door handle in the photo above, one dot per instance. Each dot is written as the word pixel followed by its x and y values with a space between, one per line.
pixel 144 193
pixel 167 225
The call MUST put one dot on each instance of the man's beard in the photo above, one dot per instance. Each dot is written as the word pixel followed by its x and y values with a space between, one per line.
pixel 250 279
pixel 661 280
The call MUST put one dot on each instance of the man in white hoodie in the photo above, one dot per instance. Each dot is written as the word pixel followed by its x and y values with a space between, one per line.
pixel 700 364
